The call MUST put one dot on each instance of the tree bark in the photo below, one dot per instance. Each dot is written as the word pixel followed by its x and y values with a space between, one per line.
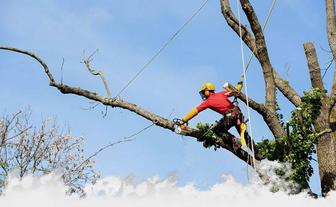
pixel 233 22
pixel 262 55
pixel 331 31
pixel 331 26
pixel 326 153
pixel 314 67
pixel 286 89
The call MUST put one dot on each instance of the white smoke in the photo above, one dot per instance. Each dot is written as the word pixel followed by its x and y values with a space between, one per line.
pixel 124 192
pixel 276 175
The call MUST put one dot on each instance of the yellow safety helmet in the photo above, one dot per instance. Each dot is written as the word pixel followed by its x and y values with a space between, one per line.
pixel 206 89
pixel 208 86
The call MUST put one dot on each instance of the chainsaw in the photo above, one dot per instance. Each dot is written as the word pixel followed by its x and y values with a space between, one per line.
pixel 180 128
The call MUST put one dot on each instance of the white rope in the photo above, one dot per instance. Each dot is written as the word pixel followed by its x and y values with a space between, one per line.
pixel 246 89
pixel 162 48
pixel 245 68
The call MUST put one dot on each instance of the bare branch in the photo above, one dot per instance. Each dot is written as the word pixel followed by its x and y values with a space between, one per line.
pixel 270 118
pixel 262 54
pixel 125 139
pixel 87 62
pixel 108 101
pixel 258 47
pixel 20 133
pixel 326 131
pixel 249 40
pixel 331 30
pixel 62 70
pixel 331 25
pixel 234 24
pixel 46 69
pixel 313 66
pixel 286 89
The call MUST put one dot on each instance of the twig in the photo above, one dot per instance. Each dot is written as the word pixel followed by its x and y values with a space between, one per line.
pixel 23 131
pixel 90 107
pixel 87 62
pixel 171 113
pixel 125 139
pixel 62 70
pixel 324 132
pixel 328 67
pixel 104 113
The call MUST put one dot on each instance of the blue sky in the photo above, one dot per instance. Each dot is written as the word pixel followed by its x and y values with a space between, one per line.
pixel 127 33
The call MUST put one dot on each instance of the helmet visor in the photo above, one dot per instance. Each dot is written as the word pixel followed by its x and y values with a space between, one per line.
pixel 201 93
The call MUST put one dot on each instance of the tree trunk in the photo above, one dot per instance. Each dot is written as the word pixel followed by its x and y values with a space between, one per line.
pixel 327 162
pixel 326 152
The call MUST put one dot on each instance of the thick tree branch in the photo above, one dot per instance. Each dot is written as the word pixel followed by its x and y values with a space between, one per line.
pixel 281 84
pixel 331 30
pixel 233 22
pixel 333 92
pixel 108 101
pixel 269 117
pixel 157 120
pixel 262 55
pixel 258 47
pixel 249 40
pixel 331 25
pixel 332 96
pixel 313 66
pixel 286 89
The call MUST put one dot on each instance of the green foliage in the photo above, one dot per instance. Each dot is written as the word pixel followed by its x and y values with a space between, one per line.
pixel 209 138
pixel 298 147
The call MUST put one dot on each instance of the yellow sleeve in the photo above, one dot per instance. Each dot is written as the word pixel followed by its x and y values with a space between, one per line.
pixel 190 115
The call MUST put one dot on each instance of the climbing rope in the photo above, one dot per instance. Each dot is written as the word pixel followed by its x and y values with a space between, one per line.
pixel 162 48
pixel 246 89
pixel 245 68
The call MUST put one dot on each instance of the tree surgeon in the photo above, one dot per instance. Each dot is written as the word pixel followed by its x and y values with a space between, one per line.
pixel 220 103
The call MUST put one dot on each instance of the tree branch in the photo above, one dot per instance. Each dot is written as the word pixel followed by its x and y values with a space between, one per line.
pixel 262 55
pixel 331 30
pixel 331 25
pixel 314 67
pixel 108 101
pixel 46 69
pixel 326 131
pixel 233 22
pixel 87 63
pixel 269 117
pixel 259 49
pixel 249 40
pixel 286 89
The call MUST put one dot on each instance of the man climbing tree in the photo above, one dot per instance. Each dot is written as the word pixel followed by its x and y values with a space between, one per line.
pixel 232 115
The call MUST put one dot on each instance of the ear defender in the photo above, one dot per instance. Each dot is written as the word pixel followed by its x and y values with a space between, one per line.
pixel 206 93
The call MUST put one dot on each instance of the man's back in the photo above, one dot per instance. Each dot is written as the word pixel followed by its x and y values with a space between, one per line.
pixel 218 102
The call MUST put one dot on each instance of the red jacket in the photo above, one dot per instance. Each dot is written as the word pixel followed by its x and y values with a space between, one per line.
pixel 218 102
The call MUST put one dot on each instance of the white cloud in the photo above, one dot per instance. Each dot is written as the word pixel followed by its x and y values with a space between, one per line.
pixel 114 191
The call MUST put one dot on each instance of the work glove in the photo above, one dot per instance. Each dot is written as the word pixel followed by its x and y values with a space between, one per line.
pixel 181 125
pixel 181 122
